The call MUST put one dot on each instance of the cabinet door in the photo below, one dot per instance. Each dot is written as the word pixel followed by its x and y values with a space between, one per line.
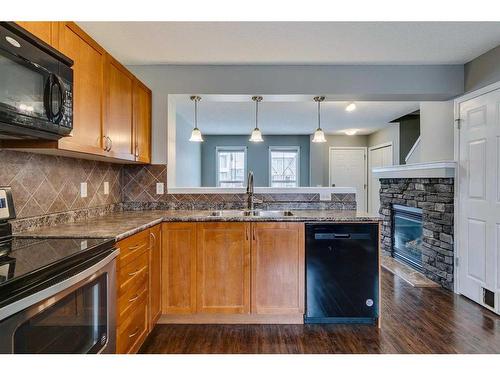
pixel 118 114
pixel 88 67
pixel 278 268
pixel 178 268
pixel 142 122
pixel 44 30
pixel 223 268
pixel 154 275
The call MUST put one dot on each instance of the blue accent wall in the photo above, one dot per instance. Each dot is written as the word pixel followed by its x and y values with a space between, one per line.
pixel 257 155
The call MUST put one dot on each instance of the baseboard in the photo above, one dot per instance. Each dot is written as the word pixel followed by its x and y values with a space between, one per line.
pixel 231 319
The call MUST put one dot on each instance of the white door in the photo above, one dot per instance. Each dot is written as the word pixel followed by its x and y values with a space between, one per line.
pixel 377 157
pixel 479 206
pixel 348 169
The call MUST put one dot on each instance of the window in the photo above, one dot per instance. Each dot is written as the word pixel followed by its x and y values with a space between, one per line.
pixel 284 166
pixel 231 166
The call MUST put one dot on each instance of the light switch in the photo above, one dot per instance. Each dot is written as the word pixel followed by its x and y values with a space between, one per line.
pixel 325 196
pixel 160 188
pixel 83 190
pixel 106 188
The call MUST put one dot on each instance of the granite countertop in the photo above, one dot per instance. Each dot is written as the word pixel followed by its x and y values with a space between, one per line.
pixel 123 224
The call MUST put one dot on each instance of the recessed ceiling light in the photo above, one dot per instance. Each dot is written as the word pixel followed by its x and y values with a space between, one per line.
pixel 350 131
pixel 350 107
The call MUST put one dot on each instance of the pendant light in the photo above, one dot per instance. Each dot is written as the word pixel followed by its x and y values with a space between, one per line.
pixel 196 133
pixel 256 133
pixel 319 135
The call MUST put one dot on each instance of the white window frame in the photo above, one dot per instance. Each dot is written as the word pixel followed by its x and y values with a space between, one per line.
pixel 284 148
pixel 230 148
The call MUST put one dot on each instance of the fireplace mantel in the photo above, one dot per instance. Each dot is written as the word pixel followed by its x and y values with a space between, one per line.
pixel 438 169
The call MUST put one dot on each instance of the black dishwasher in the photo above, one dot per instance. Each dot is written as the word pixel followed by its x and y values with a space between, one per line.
pixel 342 273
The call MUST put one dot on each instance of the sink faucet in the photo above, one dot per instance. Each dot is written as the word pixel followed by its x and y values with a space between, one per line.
pixel 251 200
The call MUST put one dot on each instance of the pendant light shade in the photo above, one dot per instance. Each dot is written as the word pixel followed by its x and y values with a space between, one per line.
pixel 256 133
pixel 196 133
pixel 319 134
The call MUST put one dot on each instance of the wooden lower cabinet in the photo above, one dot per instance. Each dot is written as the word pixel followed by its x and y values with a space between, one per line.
pixel 220 272
pixel 178 268
pixel 138 288
pixel 278 268
pixel 223 268
pixel 154 275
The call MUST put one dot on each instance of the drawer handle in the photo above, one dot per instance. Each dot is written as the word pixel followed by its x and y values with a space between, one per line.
pixel 135 333
pixel 134 273
pixel 134 298
pixel 135 247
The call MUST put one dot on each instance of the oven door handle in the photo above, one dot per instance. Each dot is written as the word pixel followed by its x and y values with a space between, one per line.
pixel 55 289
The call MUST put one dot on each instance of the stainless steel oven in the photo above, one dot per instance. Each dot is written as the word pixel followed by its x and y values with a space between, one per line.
pixel 36 87
pixel 74 315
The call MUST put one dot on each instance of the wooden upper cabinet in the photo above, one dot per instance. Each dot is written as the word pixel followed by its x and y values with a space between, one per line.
pixel 88 67
pixel 278 268
pixel 118 99
pixel 44 30
pixel 142 122
pixel 223 268
pixel 178 259
pixel 154 275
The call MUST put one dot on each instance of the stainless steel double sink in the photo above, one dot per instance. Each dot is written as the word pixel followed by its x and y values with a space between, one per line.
pixel 256 213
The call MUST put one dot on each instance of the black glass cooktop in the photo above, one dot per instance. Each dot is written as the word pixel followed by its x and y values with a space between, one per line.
pixel 29 262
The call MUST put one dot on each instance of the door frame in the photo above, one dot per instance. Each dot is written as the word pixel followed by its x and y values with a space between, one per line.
pixel 456 156
pixel 372 148
pixel 365 149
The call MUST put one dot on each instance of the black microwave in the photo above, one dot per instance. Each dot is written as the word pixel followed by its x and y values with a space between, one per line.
pixel 36 87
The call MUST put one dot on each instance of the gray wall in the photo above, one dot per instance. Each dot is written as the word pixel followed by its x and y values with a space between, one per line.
pixel 340 82
pixel 409 131
pixel 188 154
pixel 257 155
pixel 320 158
pixel 388 134
pixel 483 70
pixel 436 131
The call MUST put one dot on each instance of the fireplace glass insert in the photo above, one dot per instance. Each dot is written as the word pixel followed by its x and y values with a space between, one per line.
pixel 407 235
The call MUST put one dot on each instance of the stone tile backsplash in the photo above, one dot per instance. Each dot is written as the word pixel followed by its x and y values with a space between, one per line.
pixel 46 190
pixel 46 184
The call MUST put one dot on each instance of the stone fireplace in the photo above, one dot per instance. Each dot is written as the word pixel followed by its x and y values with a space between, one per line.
pixel 417 227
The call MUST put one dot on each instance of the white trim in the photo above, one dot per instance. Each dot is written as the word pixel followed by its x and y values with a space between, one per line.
pixel 413 148
pixel 474 94
pixel 284 148
pixel 230 148
pixel 381 145
pixel 299 190
pixel 365 174
pixel 370 172
pixel 439 169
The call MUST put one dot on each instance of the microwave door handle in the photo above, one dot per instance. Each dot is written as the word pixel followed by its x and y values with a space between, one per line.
pixel 47 97
pixel 62 98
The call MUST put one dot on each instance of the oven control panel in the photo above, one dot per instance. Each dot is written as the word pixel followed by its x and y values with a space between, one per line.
pixel 7 211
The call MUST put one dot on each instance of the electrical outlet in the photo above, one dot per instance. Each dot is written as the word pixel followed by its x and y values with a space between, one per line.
pixel 106 188
pixel 83 190
pixel 160 188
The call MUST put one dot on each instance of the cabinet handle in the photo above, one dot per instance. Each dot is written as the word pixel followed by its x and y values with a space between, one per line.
pixel 134 273
pixel 110 144
pixel 246 234
pixel 153 237
pixel 253 233
pixel 134 298
pixel 105 143
pixel 135 333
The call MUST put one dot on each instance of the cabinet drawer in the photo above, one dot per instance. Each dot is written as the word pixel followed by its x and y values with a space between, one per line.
pixel 133 329
pixel 129 296
pixel 129 273
pixel 132 246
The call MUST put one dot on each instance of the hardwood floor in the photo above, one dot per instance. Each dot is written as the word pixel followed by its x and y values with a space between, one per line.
pixel 415 320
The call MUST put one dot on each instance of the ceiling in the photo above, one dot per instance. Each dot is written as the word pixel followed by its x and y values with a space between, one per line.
pixel 322 43
pixel 293 117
